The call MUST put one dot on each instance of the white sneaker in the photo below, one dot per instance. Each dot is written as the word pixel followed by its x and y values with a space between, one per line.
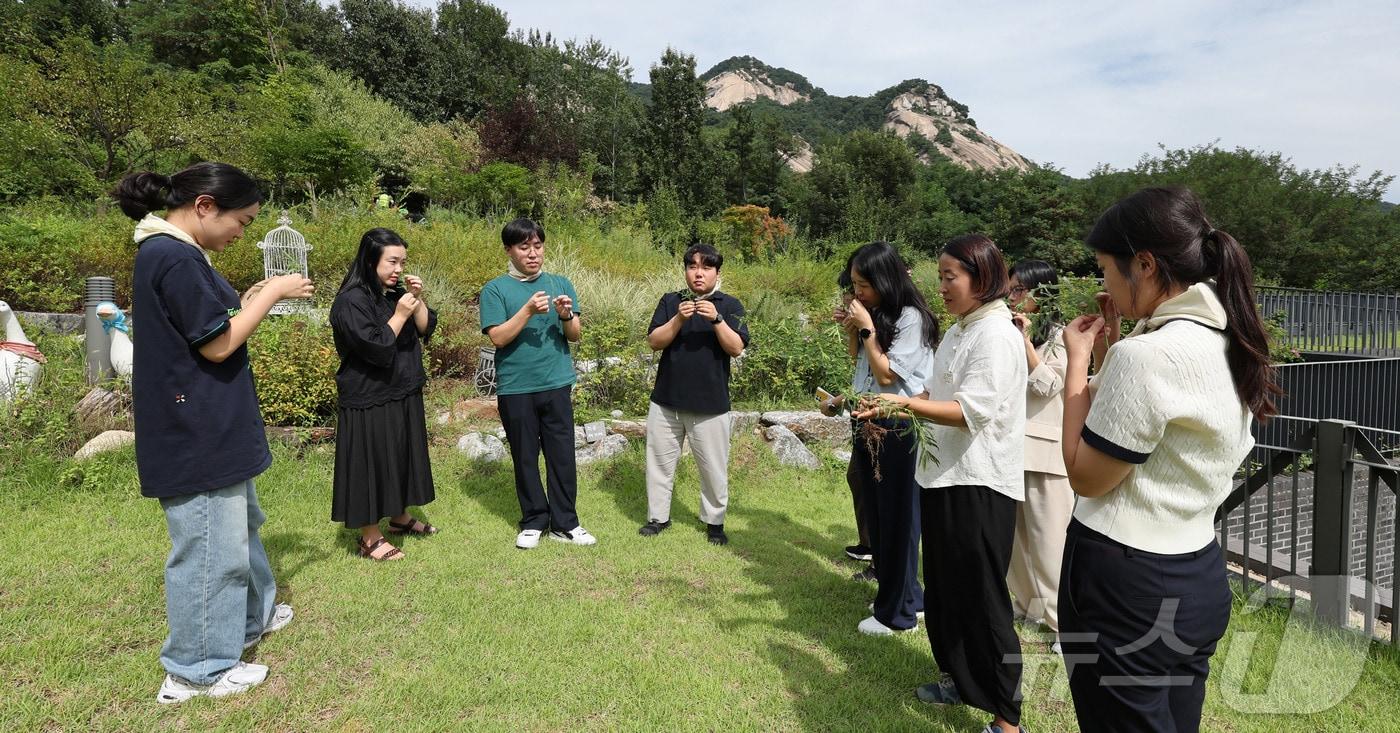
pixel 872 626
pixel 918 614
pixel 281 616
pixel 578 536
pixel 528 539
pixel 240 677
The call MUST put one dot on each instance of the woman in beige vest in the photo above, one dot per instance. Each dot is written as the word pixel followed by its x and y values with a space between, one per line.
pixel 1034 575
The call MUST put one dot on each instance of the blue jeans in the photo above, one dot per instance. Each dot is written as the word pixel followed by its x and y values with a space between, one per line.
pixel 219 588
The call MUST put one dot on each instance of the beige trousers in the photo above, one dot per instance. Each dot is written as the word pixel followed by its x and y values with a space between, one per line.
pixel 708 436
pixel 1034 574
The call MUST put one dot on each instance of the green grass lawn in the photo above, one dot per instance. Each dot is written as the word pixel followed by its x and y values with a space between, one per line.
pixel 471 634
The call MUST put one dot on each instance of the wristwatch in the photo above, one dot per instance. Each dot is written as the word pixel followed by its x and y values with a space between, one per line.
pixel 864 333
pixel 717 319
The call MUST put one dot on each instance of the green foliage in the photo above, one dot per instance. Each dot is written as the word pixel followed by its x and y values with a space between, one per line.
pixel 441 159
pixel 315 158
pixel 621 376
pixel 499 188
pixel 677 156
pixel 786 361
pixel 294 362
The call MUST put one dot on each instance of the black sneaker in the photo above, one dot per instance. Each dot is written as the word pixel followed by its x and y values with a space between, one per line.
pixel 858 552
pixel 716 535
pixel 653 527
pixel 866 574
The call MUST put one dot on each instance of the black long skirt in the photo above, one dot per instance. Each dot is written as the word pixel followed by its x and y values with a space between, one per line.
pixel 381 462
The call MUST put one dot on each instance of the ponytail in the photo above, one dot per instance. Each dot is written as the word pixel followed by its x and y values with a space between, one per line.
pixel 1171 224
pixel 1256 381
pixel 142 193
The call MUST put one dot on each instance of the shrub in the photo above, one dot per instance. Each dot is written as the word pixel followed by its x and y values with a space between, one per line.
pixel 621 378
pixel 786 361
pixel 754 232
pixel 294 364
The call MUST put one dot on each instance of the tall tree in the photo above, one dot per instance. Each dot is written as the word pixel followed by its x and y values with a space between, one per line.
pixel 675 150
pixel 479 53
pixel 739 141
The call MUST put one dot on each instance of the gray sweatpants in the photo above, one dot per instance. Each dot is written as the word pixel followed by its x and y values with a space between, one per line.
pixel 708 436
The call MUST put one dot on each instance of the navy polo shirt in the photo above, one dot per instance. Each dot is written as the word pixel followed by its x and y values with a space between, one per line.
pixel 198 426
pixel 693 375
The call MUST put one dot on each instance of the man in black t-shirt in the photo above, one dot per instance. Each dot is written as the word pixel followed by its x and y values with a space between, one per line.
pixel 698 330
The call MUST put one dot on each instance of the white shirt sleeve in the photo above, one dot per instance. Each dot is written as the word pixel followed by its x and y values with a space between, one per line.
pixel 989 374
pixel 1131 403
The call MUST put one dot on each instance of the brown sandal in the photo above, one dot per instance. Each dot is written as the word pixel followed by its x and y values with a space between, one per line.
pixel 412 526
pixel 367 551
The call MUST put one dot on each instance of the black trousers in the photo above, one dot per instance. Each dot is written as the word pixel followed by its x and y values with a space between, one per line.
pixel 968 532
pixel 535 421
pixel 860 492
pixel 1138 630
pixel 892 511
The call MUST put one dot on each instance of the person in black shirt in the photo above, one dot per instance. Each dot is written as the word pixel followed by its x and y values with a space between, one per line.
pixel 380 323
pixel 199 433
pixel 698 330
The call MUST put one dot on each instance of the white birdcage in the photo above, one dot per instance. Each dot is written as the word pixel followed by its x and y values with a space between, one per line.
pixel 284 253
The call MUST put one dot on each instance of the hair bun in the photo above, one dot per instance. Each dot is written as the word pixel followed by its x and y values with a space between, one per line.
pixel 141 193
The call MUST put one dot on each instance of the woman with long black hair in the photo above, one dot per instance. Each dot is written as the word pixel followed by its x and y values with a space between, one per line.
pixel 1151 448
pixel 890 332
pixel 380 323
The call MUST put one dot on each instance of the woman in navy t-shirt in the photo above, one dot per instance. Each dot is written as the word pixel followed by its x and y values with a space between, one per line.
pixel 199 434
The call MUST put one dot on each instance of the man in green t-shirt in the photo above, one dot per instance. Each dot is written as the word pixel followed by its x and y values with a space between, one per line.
pixel 531 317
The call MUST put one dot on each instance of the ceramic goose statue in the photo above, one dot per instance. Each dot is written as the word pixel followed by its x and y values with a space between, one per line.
pixel 20 361
pixel 119 331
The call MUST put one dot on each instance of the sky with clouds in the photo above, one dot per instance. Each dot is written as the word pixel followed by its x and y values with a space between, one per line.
pixel 1071 84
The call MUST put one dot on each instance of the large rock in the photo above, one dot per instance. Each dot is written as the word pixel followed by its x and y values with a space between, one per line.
pixel 105 441
pixel 482 447
pixel 789 448
pixel 480 408
pixel 100 404
pixel 742 422
pixel 608 447
pixel 580 438
pixel 628 428
pixel 812 427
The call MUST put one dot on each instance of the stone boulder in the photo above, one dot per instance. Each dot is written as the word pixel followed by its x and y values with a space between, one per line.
pixel 482 447
pixel 479 408
pixel 628 428
pixel 812 427
pixel 789 448
pixel 105 441
pixel 741 423
pixel 608 447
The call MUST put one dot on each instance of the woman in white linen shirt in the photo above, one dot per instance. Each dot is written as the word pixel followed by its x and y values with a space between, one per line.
pixel 976 402
pixel 1151 447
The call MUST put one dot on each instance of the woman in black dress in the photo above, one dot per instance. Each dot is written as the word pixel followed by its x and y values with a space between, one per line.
pixel 381 450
